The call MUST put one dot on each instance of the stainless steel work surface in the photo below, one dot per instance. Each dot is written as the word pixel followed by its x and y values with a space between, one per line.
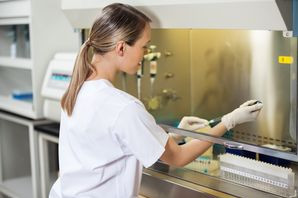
pixel 178 182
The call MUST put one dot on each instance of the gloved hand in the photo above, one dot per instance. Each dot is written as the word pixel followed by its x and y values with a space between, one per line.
pixel 189 123
pixel 192 123
pixel 247 112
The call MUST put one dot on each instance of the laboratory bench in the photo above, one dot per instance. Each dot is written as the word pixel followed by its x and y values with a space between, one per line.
pixel 158 181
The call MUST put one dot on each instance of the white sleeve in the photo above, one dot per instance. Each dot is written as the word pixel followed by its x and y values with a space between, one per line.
pixel 137 129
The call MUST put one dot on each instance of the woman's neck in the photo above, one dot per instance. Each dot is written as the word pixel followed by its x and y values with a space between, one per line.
pixel 104 68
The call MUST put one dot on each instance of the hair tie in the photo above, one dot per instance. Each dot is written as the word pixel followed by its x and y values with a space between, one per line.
pixel 88 42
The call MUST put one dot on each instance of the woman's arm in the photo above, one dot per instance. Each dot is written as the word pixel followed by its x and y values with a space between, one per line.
pixel 181 155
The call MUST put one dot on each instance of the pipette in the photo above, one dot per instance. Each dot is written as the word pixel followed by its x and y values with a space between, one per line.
pixel 217 120
pixel 140 73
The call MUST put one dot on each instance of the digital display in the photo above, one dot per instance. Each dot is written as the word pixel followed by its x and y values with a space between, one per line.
pixel 61 77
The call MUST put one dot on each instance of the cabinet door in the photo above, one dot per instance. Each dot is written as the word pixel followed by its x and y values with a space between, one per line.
pixel 16 172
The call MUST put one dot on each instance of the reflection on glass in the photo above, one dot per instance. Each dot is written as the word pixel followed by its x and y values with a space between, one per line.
pixel 230 67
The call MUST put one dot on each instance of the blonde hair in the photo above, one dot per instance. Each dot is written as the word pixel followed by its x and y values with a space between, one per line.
pixel 117 22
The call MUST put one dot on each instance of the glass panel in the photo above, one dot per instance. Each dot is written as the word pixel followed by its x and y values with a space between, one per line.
pixel 15 41
pixel 16 84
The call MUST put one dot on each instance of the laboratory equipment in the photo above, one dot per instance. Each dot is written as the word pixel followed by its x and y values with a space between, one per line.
pixel 204 165
pixel 22 95
pixel 32 47
pixel 217 67
pixel 263 176
pixel 55 83
pixel 152 57
pixel 13 46
pixel 140 73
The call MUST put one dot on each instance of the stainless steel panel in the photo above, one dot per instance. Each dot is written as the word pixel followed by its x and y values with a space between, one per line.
pixel 158 185
pixel 179 183
pixel 231 67
pixel 175 42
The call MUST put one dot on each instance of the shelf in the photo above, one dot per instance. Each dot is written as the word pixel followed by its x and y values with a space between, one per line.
pixel 16 106
pixel 22 63
pixel 15 9
pixel 18 187
pixel 18 20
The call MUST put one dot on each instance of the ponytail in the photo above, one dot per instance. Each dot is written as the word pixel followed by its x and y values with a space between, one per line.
pixel 118 22
pixel 81 72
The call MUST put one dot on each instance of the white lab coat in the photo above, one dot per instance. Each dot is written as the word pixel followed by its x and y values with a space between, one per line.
pixel 105 143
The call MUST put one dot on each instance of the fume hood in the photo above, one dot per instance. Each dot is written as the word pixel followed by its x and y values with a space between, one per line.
pixel 219 38
pixel 205 14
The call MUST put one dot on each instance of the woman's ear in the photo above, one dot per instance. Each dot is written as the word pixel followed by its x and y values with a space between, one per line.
pixel 120 48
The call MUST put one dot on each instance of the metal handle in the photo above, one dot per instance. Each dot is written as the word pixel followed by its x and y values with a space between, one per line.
pixel 233 146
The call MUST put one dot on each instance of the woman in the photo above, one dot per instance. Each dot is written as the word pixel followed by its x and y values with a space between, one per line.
pixel 106 135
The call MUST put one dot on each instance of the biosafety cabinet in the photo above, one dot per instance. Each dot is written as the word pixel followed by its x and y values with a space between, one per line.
pixel 205 59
